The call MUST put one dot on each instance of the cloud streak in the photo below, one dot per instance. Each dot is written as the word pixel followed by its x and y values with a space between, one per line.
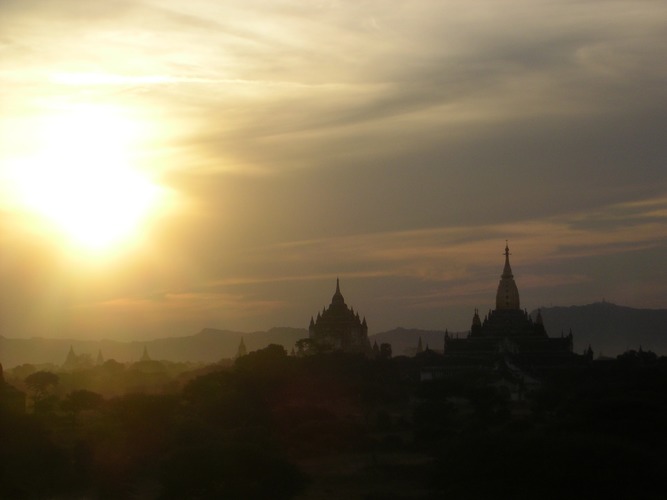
pixel 395 147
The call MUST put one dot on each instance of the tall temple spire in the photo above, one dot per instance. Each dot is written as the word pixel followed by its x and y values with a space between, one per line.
pixel 507 270
pixel 338 297
pixel 507 296
pixel 71 359
pixel 242 351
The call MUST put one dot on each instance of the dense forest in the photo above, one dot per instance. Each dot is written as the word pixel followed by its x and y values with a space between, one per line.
pixel 275 426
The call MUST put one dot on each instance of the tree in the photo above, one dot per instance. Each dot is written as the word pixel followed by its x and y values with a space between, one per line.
pixel 385 351
pixel 271 356
pixel 78 401
pixel 40 383
pixel 22 371
pixel 305 347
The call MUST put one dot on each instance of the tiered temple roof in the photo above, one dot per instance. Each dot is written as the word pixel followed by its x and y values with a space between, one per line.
pixel 507 328
pixel 339 327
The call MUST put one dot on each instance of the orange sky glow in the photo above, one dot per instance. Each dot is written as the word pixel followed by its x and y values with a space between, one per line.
pixel 169 166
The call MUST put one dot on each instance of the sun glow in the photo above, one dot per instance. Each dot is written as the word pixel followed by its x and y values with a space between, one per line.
pixel 82 176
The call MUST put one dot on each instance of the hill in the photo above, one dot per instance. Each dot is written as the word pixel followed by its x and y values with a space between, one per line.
pixel 610 329
pixel 207 346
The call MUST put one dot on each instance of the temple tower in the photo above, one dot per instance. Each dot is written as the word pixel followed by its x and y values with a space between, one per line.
pixel 339 328
pixel 507 296
pixel 508 329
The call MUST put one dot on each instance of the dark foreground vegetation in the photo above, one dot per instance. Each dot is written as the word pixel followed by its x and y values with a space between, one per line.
pixel 339 426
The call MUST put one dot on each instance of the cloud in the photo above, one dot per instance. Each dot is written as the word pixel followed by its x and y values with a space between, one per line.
pixel 286 85
pixel 451 264
pixel 396 147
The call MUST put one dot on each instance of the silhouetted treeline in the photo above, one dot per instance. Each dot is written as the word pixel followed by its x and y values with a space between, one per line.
pixel 598 431
pixel 262 428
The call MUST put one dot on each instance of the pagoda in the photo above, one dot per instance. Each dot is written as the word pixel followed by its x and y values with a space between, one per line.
pixel 339 328
pixel 508 328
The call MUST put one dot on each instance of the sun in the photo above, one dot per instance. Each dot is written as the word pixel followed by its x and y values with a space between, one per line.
pixel 83 176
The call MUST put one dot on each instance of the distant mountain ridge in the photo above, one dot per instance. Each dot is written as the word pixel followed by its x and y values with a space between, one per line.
pixel 610 329
pixel 207 346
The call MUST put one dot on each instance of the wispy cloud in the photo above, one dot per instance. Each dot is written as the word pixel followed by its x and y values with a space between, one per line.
pixel 397 147
pixel 620 228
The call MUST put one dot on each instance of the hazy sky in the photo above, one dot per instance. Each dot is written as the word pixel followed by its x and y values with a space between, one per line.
pixel 251 152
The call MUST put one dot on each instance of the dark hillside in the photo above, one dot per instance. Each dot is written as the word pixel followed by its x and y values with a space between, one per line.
pixel 610 329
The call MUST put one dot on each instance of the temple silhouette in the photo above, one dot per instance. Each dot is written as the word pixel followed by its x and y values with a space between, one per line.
pixel 509 329
pixel 339 328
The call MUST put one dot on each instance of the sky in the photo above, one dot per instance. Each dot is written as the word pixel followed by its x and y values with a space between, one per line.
pixel 171 165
